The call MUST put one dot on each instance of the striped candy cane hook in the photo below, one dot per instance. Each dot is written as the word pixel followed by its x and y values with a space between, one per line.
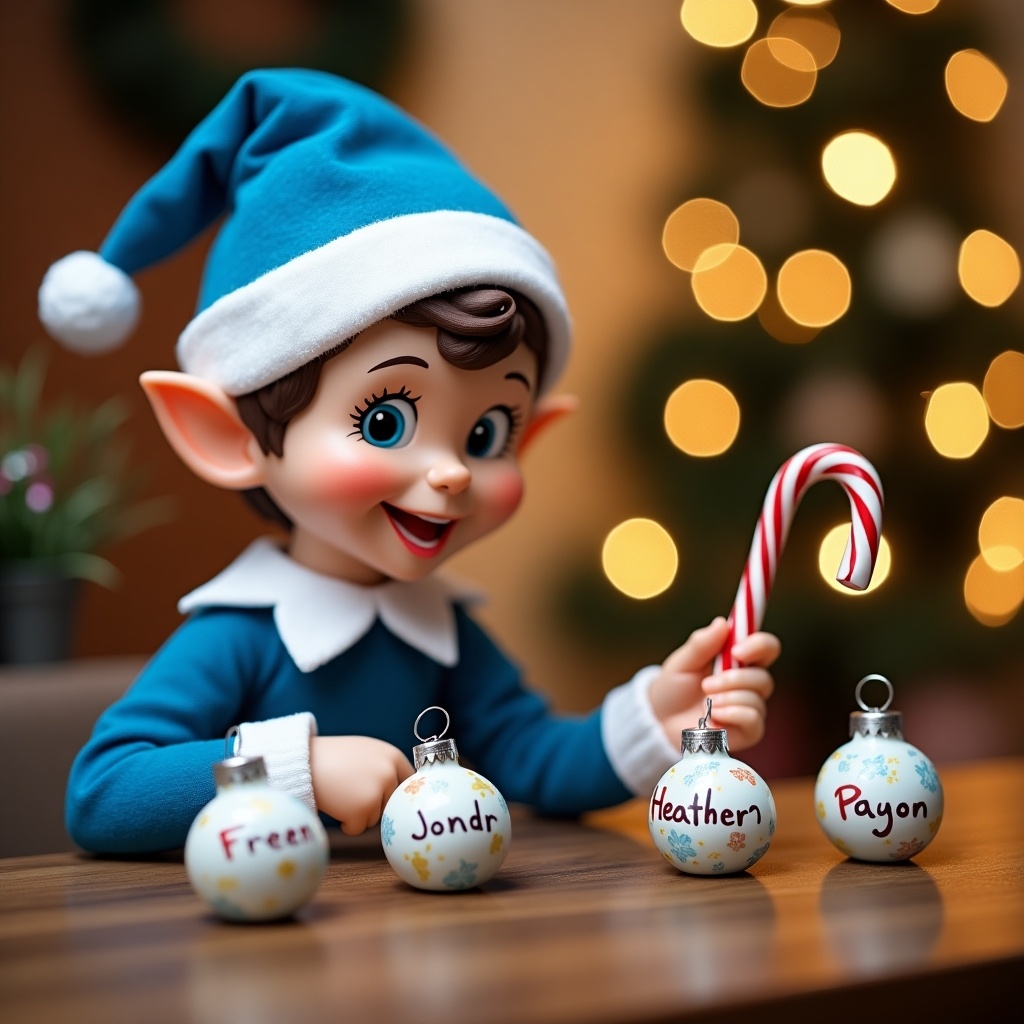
pixel 818 462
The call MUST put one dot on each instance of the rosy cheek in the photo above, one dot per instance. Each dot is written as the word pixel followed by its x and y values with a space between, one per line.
pixel 506 492
pixel 355 481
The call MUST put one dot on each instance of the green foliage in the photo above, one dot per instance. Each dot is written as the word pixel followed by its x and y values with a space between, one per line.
pixel 66 489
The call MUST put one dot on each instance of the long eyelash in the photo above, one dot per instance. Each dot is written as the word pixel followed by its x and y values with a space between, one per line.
pixel 359 414
pixel 515 417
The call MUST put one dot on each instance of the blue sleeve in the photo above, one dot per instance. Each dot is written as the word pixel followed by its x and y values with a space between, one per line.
pixel 146 771
pixel 555 763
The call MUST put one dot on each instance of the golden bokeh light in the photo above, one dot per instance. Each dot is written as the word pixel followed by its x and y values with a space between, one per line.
pixel 859 167
pixel 830 555
pixel 956 420
pixel 975 85
pixel 695 226
pixel 814 288
pixel 639 558
pixel 991 596
pixel 702 417
pixel 814 30
pixel 1001 534
pixel 780 325
pixel 729 282
pixel 778 72
pixel 914 6
pixel 989 268
pixel 720 23
pixel 1004 389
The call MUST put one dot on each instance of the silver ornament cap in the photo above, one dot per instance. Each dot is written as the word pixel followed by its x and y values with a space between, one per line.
pixel 875 720
pixel 238 770
pixel 433 748
pixel 705 739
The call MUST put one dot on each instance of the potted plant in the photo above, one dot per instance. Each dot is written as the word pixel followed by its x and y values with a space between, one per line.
pixel 65 492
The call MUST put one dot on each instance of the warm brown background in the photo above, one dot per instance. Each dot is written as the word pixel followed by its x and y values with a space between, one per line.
pixel 575 111
pixel 577 125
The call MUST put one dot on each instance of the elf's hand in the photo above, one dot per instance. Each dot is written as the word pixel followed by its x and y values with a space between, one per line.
pixel 353 776
pixel 739 695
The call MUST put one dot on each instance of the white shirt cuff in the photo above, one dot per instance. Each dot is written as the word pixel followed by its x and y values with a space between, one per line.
pixel 284 744
pixel 633 738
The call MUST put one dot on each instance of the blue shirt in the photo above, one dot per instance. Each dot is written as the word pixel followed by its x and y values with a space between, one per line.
pixel 146 772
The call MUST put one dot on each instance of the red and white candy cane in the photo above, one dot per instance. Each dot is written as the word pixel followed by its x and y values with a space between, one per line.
pixel 818 462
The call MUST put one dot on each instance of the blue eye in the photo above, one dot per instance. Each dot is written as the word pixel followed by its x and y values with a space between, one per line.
pixel 490 434
pixel 388 423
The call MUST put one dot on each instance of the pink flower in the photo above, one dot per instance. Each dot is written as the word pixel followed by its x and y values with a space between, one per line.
pixel 39 496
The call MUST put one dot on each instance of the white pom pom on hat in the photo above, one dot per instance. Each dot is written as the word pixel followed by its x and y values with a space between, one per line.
pixel 87 304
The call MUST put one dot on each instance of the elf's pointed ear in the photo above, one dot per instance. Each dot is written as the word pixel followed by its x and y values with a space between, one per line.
pixel 202 424
pixel 546 412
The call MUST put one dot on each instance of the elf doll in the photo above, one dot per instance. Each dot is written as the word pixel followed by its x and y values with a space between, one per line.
pixel 375 345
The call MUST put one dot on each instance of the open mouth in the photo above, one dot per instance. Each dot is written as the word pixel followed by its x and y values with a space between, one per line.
pixel 422 535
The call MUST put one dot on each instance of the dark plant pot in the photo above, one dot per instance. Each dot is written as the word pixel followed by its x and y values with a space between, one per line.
pixel 37 614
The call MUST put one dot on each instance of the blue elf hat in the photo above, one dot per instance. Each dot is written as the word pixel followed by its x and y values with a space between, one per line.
pixel 338 209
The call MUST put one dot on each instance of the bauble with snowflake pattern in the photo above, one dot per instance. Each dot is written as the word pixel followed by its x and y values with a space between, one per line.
pixel 446 828
pixel 877 797
pixel 711 814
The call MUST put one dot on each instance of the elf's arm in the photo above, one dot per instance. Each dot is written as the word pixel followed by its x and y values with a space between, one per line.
pixel 568 764
pixel 147 769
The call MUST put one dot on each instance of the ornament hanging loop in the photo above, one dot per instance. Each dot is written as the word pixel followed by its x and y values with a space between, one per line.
pixel 868 679
pixel 702 723
pixel 233 742
pixel 436 736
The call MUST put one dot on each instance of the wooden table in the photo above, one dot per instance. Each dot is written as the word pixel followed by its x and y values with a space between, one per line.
pixel 585 922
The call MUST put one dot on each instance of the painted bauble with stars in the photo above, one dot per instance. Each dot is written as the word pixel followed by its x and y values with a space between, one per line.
pixel 877 797
pixel 445 828
pixel 254 853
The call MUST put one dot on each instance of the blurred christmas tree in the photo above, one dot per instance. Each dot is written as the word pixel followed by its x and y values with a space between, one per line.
pixel 851 288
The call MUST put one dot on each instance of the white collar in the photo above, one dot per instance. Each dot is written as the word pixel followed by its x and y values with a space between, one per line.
pixel 318 617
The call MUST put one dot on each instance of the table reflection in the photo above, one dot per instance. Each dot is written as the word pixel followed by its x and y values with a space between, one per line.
pixel 716 934
pixel 880 918
pixel 685 941
pixel 254 974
